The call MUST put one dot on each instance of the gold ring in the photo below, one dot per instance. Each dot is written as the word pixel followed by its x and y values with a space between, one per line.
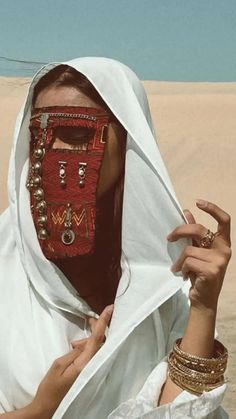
pixel 208 239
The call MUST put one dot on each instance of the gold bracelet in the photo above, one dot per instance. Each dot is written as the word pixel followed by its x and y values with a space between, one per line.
pixel 197 374
pixel 202 366
pixel 192 386
pixel 188 368
pixel 187 373
pixel 220 354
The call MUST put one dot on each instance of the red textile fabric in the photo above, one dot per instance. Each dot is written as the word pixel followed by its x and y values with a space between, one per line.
pixel 64 211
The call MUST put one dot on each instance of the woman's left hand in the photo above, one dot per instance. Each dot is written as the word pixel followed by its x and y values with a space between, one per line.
pixel 205 267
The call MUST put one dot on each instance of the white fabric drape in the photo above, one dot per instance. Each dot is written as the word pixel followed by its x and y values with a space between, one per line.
pixel 40 311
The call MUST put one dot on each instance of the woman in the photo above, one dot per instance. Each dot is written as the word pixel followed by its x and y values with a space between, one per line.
pixel 64 262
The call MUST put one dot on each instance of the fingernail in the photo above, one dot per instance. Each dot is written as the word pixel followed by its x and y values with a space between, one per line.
pixel 201 203
pixel 186 210
pixel 173 268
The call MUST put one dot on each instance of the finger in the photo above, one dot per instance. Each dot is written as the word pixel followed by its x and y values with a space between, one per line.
pixel 189 216
pixel 205 255
pixel 97 336
pixel 195 266
pixel 194 231
pixel 93 344
pixel 74 367
pixel 92 323
pixel 76 362
pixel 191 220
pixel 62 363
pixel 79 343
pixel 192 276
pixel 95 341
pixel 220 216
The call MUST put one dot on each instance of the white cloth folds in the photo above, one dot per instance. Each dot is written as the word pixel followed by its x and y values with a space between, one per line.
pixel 41 312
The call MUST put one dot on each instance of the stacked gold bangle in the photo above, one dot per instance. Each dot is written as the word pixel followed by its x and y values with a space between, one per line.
pixel 197 374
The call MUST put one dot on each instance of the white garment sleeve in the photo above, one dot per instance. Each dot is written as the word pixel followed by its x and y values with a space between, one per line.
pixel 186 405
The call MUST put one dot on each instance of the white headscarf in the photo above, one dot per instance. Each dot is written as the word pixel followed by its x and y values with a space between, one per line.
pixel 150 212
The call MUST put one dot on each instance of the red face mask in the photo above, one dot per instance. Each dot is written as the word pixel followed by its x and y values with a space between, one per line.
pixel 63 182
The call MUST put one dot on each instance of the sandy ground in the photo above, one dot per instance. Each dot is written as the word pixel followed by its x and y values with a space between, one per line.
pixel 196 129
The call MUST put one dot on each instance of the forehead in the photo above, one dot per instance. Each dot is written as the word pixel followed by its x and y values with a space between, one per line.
pixel 63 96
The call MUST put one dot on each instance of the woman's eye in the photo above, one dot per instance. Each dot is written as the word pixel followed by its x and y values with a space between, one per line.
pixel 72 136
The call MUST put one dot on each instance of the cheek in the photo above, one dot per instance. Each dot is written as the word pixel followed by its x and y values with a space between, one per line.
pixel 111 166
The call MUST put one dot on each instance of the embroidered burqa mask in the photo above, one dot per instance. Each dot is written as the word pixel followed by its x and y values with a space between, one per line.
pixel 63 182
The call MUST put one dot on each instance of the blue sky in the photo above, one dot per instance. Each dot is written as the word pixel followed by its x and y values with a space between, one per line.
pixel 186 40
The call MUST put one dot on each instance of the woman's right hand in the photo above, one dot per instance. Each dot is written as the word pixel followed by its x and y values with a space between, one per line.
pixel 67 368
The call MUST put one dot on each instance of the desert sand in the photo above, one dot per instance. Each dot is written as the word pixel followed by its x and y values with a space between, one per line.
pixel 196 129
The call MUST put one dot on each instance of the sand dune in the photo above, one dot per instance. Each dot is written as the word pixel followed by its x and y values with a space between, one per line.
pixel 196 128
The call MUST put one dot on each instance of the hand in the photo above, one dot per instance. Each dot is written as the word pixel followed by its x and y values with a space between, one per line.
pixel 205 267
pixel 67 368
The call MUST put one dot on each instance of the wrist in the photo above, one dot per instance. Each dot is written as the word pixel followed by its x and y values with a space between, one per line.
pixel 38 412
pixel 209 309
pixel 198 338
pixel 204 317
